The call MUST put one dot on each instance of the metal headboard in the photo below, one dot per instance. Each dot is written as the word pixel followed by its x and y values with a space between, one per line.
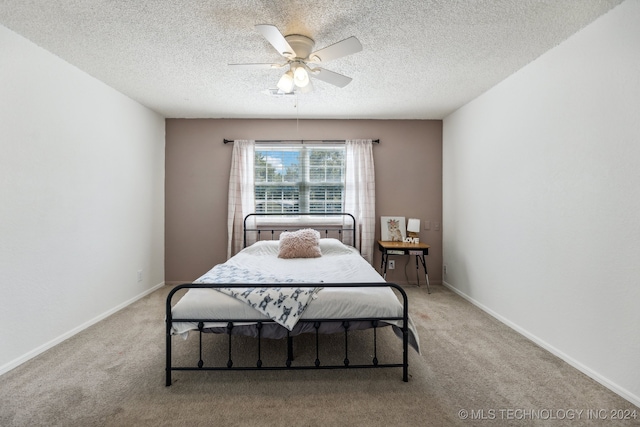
pixel 341 229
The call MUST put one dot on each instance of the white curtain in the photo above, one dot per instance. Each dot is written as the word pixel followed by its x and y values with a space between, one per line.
pixel 241 198
pixel 360 192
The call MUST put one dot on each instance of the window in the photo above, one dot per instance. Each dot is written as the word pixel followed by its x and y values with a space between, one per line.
pixel 300 178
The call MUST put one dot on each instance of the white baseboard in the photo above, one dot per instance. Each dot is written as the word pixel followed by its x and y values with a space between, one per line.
pixel 621 391
pixel 41 349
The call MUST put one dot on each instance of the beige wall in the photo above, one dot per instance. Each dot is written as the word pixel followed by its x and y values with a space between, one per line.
pixel 408 182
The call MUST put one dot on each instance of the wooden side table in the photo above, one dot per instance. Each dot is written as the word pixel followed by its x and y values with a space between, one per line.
pixel 402 248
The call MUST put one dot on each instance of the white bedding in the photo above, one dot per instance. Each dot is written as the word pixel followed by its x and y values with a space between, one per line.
pixel 338 264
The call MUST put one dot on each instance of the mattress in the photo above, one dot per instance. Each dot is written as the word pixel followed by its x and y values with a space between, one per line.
pixel 339 264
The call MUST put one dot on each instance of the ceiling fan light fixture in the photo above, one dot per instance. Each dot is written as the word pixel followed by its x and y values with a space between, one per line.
pixel 298 52
pixel 286 83
pixel 300 76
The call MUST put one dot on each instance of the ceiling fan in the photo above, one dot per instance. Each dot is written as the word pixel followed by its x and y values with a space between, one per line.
pixel 298 52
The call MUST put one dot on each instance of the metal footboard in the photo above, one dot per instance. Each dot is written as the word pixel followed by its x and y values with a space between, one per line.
pixel 375 322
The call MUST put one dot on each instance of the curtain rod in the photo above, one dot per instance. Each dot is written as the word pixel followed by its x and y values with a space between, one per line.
pixel 302 141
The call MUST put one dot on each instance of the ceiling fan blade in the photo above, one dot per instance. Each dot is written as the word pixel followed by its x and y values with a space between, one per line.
pixel 336 50
pixel 277 40
pixel 330 77
pixel 257 66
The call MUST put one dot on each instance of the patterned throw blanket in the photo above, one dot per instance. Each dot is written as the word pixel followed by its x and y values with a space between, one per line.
pixel 282 305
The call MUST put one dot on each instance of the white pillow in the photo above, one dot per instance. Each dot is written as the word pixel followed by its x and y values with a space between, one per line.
pixel 262 247
pixel 331 246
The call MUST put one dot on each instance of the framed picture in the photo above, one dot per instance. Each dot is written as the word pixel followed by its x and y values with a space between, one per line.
pixel 393 228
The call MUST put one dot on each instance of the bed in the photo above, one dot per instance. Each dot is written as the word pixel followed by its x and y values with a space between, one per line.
pixel 258 293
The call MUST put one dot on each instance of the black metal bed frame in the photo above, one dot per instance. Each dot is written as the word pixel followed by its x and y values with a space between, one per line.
pixel 341 230
pixel 376 322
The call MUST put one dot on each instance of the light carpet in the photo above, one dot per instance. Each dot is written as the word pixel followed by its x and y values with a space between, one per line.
pixel 473 370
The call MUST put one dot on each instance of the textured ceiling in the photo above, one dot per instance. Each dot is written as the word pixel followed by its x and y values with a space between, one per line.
pixel 422 59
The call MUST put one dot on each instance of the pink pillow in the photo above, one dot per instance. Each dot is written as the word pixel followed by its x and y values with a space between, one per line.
pixel 303 243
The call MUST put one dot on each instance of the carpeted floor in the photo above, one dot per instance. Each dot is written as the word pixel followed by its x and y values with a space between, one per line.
pixel 473 370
